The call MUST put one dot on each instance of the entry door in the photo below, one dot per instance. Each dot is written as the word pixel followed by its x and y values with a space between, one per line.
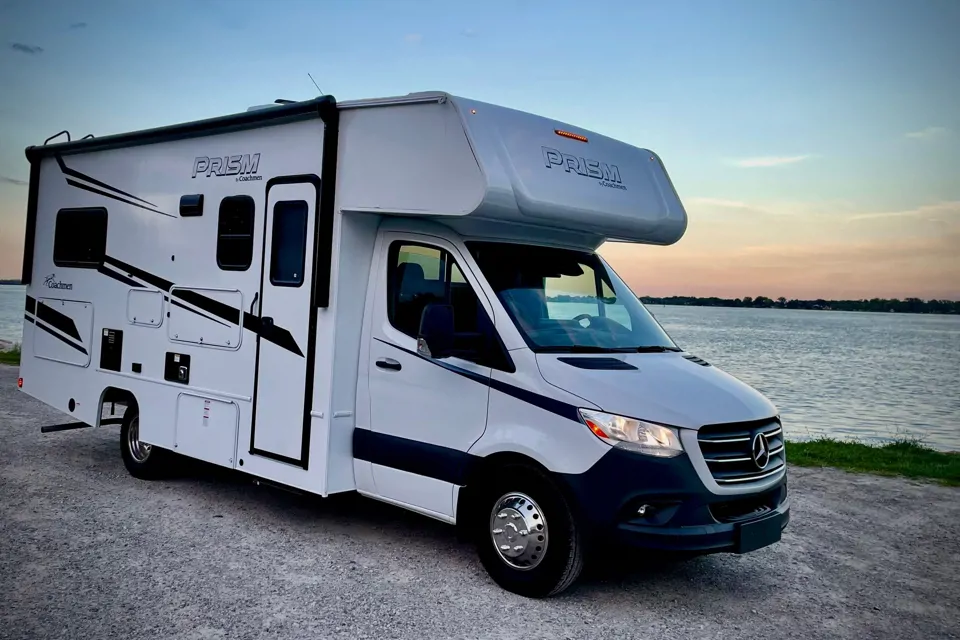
pixel 424 413
pixel 282 400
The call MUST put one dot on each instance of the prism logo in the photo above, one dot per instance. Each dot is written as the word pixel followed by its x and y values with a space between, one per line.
pixel 607 174
pixel 243 166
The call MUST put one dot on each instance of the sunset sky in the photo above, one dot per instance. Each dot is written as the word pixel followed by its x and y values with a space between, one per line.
pixel 815 144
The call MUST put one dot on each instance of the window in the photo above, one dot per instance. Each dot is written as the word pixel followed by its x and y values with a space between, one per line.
pixel 235 233
pixel 289 245
pixel 80 238
pixel 564 300
pixel 420 275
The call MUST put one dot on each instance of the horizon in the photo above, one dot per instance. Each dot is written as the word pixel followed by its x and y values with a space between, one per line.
pixel 816 160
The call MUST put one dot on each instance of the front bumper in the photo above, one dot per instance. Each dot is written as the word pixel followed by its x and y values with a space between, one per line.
pixel 681 515
pixel 733 537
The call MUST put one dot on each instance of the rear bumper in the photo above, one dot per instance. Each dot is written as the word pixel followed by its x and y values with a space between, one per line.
pixel 678 514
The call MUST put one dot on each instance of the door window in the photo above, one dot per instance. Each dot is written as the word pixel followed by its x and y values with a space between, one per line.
pixel 289 246
pixel 419 275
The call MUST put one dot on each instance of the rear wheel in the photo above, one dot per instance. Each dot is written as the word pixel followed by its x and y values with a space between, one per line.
pixel 526 535
pixel 142 460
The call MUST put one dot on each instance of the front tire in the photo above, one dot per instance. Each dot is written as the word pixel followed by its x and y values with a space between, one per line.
pixel 526 535
pixel 142 460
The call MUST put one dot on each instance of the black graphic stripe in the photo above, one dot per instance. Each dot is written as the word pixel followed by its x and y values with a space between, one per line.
pixel 28 318
pixel 74 183
pixel 412 456
pixel 119 277
pixel 31 305
pixel 277 335
pixel 58 320
pixel 149 278
pixel 177 303
pixel 76 174
pixel 557 407
pixel 58 336
pixel 215 307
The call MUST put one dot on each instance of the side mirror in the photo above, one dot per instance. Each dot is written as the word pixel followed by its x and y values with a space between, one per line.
pixel 435 339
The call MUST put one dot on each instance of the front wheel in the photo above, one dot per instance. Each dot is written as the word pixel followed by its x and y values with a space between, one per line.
pixel 526 534
pixel 142 460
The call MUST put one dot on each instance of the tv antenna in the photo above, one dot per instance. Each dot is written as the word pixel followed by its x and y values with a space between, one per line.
pixel 315 83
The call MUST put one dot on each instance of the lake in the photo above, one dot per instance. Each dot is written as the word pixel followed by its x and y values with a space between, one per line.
pixel 868 376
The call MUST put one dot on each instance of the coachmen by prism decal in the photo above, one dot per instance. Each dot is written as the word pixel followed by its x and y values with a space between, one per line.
pixel 244 166
pixel 607 174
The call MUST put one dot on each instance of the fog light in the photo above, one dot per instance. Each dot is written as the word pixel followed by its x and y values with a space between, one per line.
pixel 645 510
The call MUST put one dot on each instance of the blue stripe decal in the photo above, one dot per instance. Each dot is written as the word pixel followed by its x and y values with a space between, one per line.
pixel 557 407
pixel 412 456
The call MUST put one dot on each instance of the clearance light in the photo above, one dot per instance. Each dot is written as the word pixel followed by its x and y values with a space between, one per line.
pixel 19 383
pixel 572 136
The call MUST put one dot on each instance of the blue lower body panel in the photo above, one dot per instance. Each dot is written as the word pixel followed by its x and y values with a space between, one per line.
pixel 681 515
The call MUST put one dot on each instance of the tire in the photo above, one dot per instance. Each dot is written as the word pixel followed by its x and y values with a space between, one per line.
pixel 520 507
pixel 143 461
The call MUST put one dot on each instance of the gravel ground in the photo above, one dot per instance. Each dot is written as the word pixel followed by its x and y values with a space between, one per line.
pixel 86 551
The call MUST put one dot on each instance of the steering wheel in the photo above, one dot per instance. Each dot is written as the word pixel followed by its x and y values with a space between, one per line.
pixel 581 317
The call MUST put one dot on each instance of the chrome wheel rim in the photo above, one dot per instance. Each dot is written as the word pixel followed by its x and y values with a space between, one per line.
pixel 140 451
pixel 518 531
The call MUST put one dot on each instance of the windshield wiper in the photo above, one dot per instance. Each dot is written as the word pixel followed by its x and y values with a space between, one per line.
pixel 655 348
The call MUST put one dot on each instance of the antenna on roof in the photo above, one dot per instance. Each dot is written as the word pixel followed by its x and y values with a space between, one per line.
pixel 315 83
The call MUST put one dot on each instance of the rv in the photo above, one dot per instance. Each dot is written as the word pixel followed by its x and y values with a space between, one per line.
pixel 399 297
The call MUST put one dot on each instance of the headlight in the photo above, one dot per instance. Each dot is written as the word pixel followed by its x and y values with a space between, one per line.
pixel 634 435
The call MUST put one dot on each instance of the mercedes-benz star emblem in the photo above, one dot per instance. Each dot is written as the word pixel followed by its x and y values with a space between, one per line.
pixel 760 450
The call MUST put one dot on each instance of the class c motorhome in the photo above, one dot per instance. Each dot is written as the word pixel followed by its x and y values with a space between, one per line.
pixel 399 297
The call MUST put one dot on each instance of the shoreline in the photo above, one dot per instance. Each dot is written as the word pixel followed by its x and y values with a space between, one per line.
pixel 907 459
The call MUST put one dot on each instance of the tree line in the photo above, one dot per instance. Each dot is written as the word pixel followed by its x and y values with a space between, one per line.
pixel 881 305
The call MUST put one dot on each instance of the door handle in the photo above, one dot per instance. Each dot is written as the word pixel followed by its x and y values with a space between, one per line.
pixel 389 363
pixel 256 294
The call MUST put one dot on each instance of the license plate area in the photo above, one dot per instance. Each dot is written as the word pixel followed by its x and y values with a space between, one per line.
pixel 758 534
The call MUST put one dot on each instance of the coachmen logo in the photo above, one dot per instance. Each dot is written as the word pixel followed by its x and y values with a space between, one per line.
pixel 607 174
pixel 51 282
pixel 243 166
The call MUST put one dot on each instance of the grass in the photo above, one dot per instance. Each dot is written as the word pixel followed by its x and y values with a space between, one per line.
pixel 902 457
pixel 12 356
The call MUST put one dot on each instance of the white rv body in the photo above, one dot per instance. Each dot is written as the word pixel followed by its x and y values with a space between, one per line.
pixel 240 282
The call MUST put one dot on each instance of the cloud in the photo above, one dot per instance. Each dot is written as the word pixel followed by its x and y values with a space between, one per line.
pixel 14 181
pixel 413 38
pixel 78 25
pixel 930 133
pixel 769 161
pixel 718 202
pixel 950 207
pixel 28 49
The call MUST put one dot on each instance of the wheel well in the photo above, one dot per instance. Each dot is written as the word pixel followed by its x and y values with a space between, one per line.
pixel 481 470
pixel 116 396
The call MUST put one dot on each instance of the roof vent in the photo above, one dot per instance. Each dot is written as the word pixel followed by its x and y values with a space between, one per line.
pixel 695 359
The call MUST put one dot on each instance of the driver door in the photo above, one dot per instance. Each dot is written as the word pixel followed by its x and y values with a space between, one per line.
pixel 425 414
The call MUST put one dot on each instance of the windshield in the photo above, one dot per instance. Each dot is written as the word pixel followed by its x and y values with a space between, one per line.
pixel 564 300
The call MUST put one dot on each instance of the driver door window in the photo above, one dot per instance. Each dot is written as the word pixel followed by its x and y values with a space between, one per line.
pixel 419 275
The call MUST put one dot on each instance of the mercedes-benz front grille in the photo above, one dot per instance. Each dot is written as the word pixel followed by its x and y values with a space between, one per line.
pixel 742 452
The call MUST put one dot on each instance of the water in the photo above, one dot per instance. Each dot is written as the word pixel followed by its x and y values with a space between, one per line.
pixel 867 376
pixel 12 300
